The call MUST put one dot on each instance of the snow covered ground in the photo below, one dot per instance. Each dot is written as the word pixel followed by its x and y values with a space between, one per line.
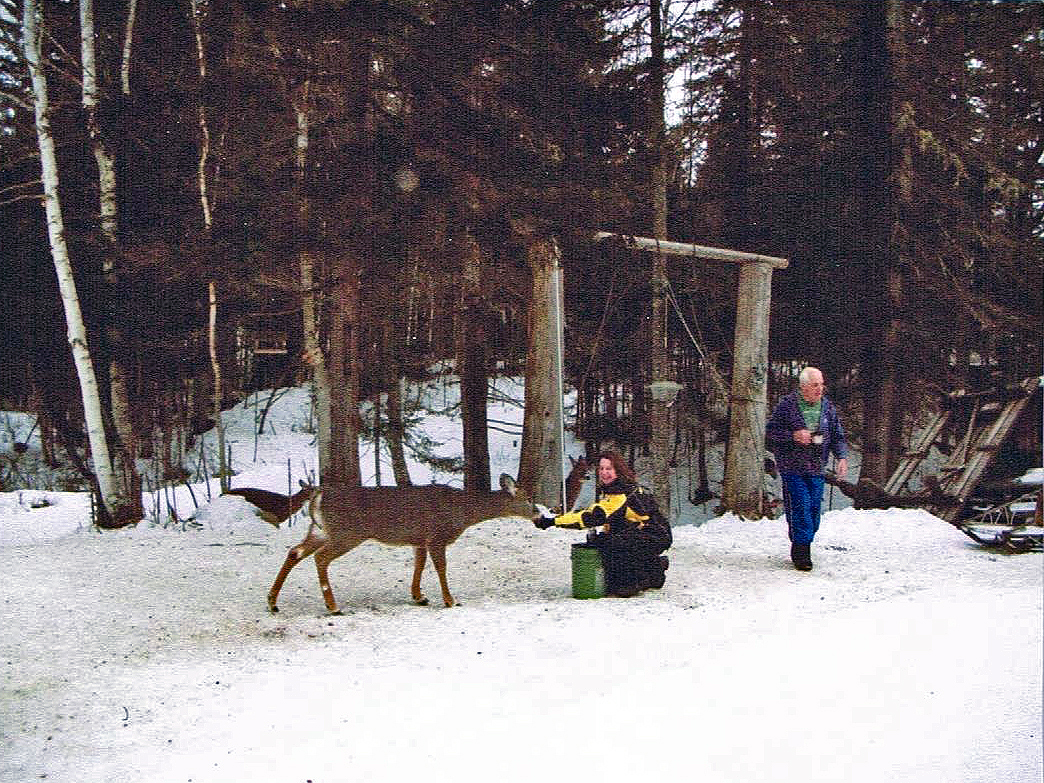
pixel 148 654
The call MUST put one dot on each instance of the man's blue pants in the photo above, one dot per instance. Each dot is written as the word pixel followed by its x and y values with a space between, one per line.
pixel 802 501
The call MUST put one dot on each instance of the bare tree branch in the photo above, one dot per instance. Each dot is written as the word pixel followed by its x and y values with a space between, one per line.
pixel 27 197
pixel 21 185
pixel 22 103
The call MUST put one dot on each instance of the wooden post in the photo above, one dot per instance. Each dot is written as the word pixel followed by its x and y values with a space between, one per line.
pixel 743 487
pixel 744 481
pixel 540 462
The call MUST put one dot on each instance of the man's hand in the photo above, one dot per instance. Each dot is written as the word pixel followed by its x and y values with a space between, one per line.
pixel 842 468
pixel 803 437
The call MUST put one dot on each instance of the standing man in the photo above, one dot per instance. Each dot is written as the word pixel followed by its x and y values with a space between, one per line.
pixel 802 432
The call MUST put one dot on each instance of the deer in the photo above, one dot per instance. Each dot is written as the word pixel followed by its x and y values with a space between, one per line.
pixel 275 507
pixel 428 518
pixel 580 469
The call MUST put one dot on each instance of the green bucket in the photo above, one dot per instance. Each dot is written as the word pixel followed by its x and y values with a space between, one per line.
pixel 588 572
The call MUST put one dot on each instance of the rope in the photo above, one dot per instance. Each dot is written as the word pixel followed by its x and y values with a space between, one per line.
pixel 560 362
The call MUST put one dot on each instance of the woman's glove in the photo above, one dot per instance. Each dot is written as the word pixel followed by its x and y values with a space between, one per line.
pixel 594 518
pixel 544 522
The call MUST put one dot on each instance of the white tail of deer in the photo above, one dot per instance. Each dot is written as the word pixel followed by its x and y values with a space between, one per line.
pixel 274 507
pixel 428 518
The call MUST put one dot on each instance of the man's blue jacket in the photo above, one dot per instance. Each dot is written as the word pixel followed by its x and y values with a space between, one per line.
pixel 793 458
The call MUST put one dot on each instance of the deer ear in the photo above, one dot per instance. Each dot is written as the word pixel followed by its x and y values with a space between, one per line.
pixel 508 484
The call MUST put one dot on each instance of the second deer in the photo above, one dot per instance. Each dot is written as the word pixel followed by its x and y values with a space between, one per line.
pixel 580 468
pixel 428 518
pixel 274 507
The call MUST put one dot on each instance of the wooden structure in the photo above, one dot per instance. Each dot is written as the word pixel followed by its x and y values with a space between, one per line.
pixel 991 417
pixel 744 481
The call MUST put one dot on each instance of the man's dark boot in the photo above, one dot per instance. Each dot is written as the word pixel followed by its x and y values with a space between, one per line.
pixel 801 555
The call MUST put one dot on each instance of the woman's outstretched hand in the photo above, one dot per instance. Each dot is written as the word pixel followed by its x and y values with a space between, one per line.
pixel 544 522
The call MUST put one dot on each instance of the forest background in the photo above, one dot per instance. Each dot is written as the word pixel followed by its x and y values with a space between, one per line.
pixel 383 186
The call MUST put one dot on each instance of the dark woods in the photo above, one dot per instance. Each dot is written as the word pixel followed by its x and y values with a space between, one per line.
pixel 414 152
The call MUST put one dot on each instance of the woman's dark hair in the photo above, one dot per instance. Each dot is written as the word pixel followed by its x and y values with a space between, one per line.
pixel 623 470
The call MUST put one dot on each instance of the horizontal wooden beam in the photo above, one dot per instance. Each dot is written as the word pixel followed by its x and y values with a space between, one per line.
pixel 694 251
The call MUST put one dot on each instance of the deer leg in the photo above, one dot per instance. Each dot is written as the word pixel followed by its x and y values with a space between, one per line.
pixel 325 555
pixel 420 557
pixel 438 557
pixel 293 557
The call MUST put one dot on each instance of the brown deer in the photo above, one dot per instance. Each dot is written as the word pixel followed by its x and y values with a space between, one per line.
pixel 428 518
pixel 275 507
pixel 578 473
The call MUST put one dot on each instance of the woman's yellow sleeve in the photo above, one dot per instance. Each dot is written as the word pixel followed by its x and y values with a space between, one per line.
pixel 592 516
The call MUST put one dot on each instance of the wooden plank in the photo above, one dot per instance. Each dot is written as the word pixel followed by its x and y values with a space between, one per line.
pixel 987 447
pixel 694 251
pixel 908 464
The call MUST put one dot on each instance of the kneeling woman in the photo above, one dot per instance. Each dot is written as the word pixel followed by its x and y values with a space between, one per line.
pixel 634 532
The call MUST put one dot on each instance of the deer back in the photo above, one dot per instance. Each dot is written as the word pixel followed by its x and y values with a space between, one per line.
pixel 413 515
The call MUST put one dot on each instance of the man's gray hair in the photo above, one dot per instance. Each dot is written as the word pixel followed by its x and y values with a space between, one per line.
pixel 805 377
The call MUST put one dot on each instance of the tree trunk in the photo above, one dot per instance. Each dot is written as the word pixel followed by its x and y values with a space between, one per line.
pixel 900 184
pixel 343 369
pixel 660 404
pixel 310 299
pixel 540 464
pixel 472 368
pixel 128 41
pixel 102 155
pixel 396 429
pixel 377 438
pixel 196 12
pixel 882 184
pixel 120 405
pixel 740 113
pixel 315 356
pixel 215 365
pixel 109 488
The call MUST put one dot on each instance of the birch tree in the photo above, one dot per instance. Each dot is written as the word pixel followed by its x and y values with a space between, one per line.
pixel 128 44
pixel 108 210
pixel 197 9
pixel 116 511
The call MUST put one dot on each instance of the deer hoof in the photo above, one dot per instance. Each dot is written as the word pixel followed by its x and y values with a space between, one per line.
pixel 422 601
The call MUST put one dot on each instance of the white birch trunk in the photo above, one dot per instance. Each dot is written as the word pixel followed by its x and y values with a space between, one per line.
pixel 104 159
pixel 196 11
pixel 204 129
pixel 119 396
pixel 108 485
pixel 128 41
pixel 223 472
